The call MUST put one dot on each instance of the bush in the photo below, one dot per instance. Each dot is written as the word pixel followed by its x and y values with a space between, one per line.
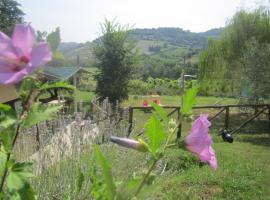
pixel 156 86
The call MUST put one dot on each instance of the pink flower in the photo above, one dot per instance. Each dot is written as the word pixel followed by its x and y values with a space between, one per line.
pixel 199 141
pixel 21 55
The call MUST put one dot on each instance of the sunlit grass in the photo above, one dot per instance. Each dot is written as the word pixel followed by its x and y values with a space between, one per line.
pixel 84 95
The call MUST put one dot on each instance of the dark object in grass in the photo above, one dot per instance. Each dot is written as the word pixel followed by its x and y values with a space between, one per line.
pixel 227 136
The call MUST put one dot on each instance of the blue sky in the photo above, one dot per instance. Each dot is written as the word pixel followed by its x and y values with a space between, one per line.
pixel 79 20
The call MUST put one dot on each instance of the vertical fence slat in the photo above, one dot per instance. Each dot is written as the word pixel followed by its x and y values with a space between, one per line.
pixel 130 120
pixel 227 117
pixel 269 118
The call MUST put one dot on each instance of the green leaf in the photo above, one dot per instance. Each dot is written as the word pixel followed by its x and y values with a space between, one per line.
pixel 28 84
pixel 39 113
pixel 80 180
pixel 18 175
pixel 58 85
pixel 7 122
pixel 7 137
pixel 3 161
pixel 160 112
pixel 7 116
pixel 23 167
pixel 27 192
pixel 134 182
pixel 15 181
pixel 5 108
pixel 155 133
pixel 110 185
pixel 189 100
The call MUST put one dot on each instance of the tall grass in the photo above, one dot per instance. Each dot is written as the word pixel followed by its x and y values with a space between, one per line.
pixel 60 155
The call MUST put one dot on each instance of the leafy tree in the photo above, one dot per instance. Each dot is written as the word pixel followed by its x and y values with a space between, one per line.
pixel 231 61
pixel 115 59
pixel 10 14
pixel 256 72
pixel 41 36
pixel 54 39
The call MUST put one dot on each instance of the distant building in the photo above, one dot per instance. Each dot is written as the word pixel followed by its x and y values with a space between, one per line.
pixel 9 95
pixel 62 73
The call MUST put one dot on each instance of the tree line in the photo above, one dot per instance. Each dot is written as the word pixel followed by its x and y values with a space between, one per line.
pixel 238 63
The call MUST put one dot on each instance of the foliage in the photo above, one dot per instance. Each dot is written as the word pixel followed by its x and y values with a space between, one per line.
pixel 159 86
pixel 162 51
pixel 41 36
pixel 58 60
pixel 39 113
pixel 54 39
pixel 156 134
pixel 189 100
pixel 110 185
pixel 115 59
pixel 139 87
pixel 256 72
pixel 175 36
pixel 14 176
pixel 10 14
pixel 229 60
pixel 158 131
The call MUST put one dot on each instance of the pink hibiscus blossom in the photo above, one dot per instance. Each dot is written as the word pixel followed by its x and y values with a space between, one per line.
pixel 21 55
pixel 199 141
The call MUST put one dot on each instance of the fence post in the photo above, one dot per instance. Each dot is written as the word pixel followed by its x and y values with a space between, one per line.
pixel 37 138
pixel 179 131
pixel 130 120
pixel 227 115
pixel 269 117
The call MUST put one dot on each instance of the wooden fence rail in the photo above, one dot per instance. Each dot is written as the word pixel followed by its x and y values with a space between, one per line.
pixel 226 108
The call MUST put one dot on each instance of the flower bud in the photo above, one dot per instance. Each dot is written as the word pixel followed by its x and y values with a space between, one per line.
pixel 129 143
pixel 172 124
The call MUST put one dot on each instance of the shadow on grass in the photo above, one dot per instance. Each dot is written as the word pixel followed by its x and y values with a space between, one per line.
pixel 262 139
pixel 256 132
pixel 259 125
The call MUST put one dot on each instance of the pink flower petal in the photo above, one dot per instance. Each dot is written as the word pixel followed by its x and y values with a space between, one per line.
pixel 213 161
pixel 199 141
pixel 19 56
pixel 6 47
pixel 40 55
pixel 23 39
pixel 14 77
pixel 4 66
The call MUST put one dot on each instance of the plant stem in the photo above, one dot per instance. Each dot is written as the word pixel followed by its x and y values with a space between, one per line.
pixel 25 108
pixel 170 145
pixel 145 177
pixel 8 157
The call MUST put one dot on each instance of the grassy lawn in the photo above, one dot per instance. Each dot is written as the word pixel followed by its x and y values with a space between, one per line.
pixel 135 100
pixel 165 100
pixel 140 117
pixel 84 96
pixel 243 173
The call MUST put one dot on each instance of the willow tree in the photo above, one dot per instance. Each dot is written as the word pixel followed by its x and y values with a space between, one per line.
pixel 228 62
pixel 115 59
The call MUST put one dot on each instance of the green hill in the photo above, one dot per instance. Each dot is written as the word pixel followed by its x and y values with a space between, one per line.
pixel 175 36
pixel 162 50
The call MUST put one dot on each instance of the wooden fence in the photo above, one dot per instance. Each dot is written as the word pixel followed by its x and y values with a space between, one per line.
pixel 259 109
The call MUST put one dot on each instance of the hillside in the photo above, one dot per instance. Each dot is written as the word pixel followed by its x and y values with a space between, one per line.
pixel 161 49
pixel 175 36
